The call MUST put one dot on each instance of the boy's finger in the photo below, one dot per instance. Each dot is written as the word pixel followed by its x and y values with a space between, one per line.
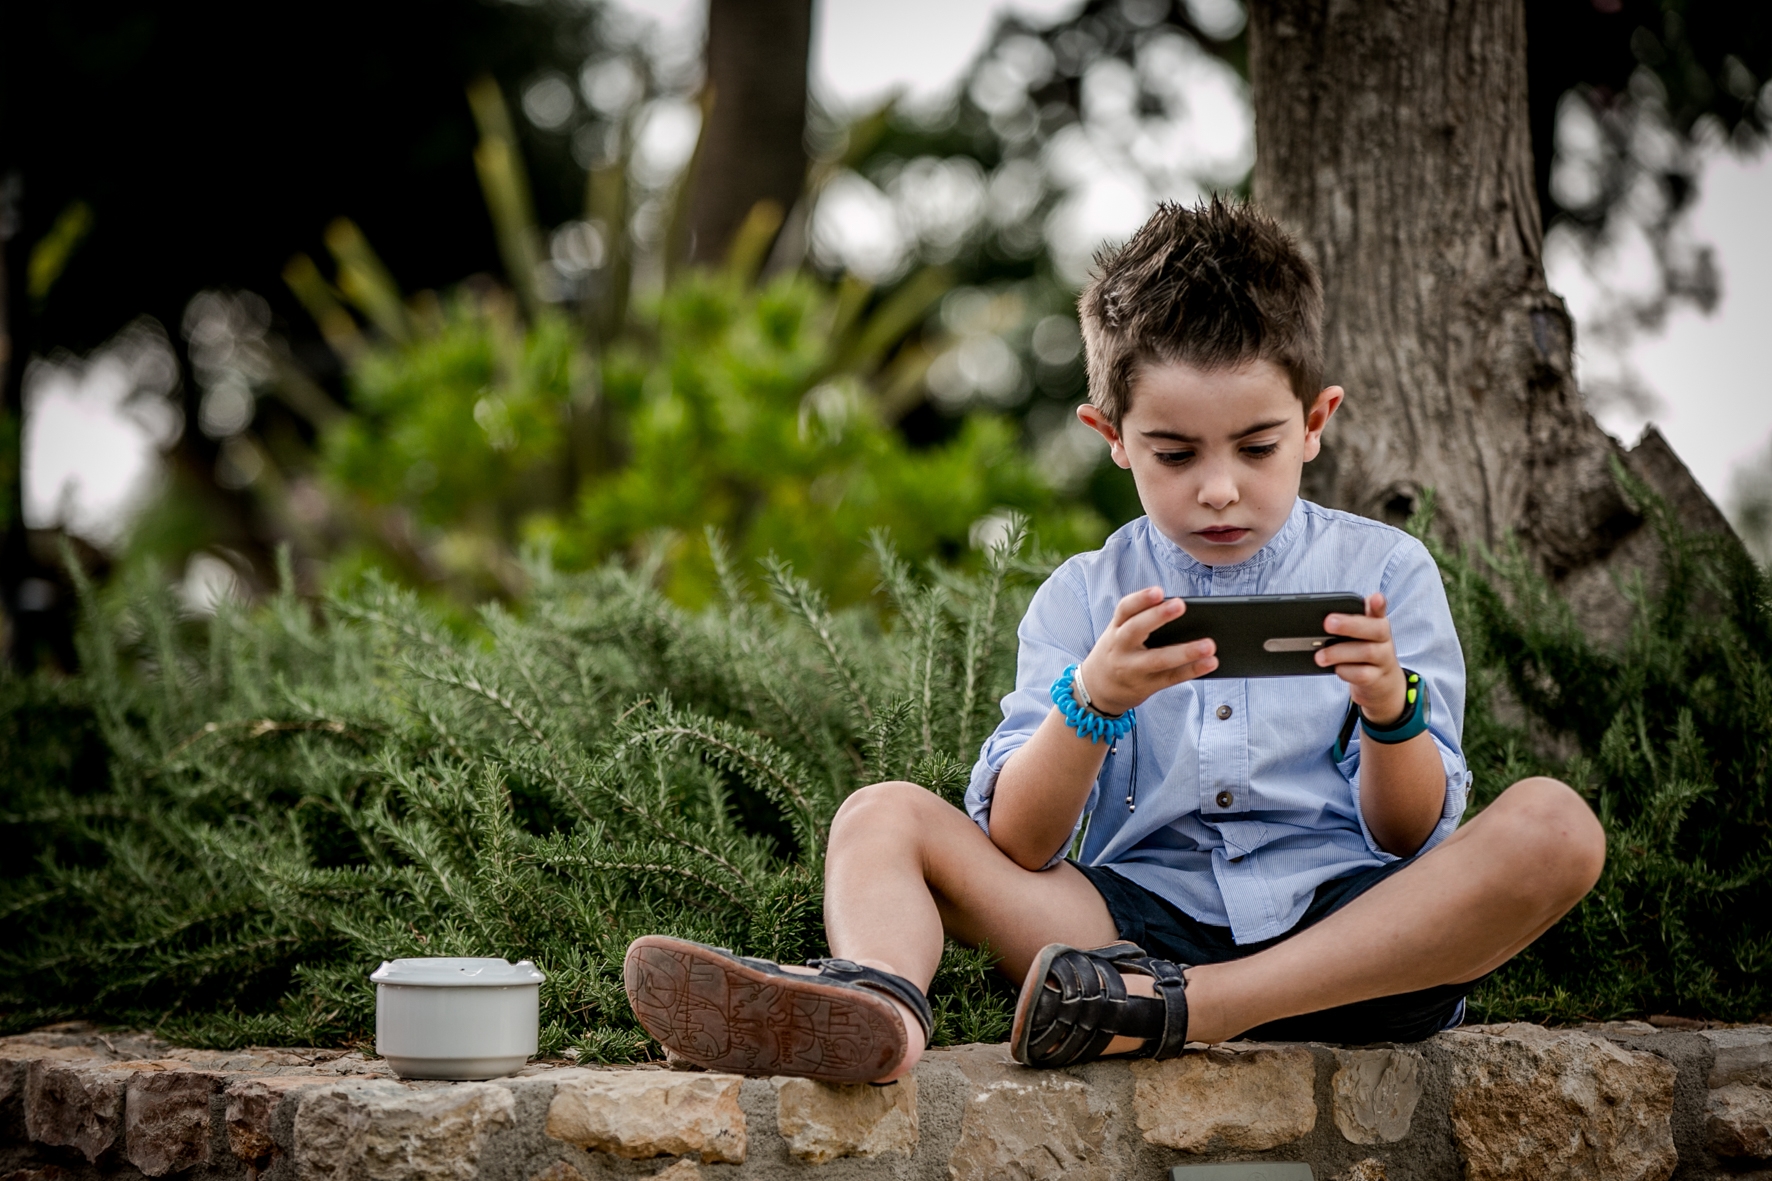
pixel 1359 627
pixel 1375 605
pixel 1360 676
pixel 1192 669
pixel 1168 658
pixel 1158 665
pixel 1137 629
pixel 1353 652
pixel 1138 600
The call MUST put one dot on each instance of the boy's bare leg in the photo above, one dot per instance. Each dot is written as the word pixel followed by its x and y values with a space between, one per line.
pixel 1465 908
pixel 904 865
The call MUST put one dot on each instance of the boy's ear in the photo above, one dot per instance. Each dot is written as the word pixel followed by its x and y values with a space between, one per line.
pixel 1318 416
pixel 1091 416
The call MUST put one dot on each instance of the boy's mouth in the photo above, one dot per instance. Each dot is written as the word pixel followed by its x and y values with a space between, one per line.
pixel 1223 534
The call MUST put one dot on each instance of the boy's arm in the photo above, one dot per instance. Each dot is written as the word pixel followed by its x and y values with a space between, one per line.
pixel 1041 789
pixel 1402 784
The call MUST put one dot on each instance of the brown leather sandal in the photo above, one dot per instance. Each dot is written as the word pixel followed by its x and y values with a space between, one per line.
pixel 748 1016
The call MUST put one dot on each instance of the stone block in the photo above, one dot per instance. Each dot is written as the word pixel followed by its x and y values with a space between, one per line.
pixel 1738 1121
pixel 12 1079
pixel 1742 1056
pixel 385 1131
pixel 1029 1125
pixel 1375 1094
pixel 821 1122
pixel 16 1056
pixel 1550 1105
pixel 252 1112
pixel 1235 1096
pixel 75 1104
pixel 644 1113
pixel 166 1124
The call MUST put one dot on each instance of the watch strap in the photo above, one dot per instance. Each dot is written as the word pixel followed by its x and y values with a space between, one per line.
pixel 1416 713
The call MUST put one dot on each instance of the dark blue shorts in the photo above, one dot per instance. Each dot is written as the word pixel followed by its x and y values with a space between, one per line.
pixel 1170 933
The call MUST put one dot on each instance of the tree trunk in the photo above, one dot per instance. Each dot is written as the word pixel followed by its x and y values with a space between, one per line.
pixel 1393 137
pixel 754 145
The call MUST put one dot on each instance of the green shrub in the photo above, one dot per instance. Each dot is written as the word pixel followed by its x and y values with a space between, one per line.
pixel 293 798
pixel 228 824
pixel 1672 738
pixel 759 411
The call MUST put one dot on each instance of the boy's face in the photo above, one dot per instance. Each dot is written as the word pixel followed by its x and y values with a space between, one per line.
pixel 1216 455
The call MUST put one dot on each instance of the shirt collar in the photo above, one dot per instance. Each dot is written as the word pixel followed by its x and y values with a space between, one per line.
pixel 1277 545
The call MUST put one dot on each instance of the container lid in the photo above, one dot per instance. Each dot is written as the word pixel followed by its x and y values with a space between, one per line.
pixel 453 971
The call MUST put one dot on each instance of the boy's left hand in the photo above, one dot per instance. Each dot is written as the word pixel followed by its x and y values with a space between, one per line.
pixel 1367 661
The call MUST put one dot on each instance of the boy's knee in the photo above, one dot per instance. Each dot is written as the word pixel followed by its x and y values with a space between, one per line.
pixel 880 804
pixel 1556 833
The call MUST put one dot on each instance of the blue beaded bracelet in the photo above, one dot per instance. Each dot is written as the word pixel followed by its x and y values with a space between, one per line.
pixel 1088 723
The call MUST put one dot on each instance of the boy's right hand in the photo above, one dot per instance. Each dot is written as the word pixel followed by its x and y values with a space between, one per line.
pixel 1120 672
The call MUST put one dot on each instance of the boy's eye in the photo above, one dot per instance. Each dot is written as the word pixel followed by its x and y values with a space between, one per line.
pixel 1261 450
pixel 1173 458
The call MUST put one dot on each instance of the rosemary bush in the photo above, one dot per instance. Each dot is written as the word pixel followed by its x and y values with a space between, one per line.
pixel 221 827
pixel 1671 734
pixel 232 823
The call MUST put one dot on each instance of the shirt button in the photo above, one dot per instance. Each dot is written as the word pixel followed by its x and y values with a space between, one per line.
pixel 1224 711
pixel 1225 797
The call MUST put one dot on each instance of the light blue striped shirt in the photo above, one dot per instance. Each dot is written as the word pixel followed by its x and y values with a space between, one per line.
pixel 1291 818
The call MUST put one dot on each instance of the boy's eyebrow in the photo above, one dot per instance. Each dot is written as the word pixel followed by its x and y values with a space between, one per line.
pixel 1178 437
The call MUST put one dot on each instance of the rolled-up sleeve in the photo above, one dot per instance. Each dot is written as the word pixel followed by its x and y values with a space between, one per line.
pixel 1056 632
pixel 1427 643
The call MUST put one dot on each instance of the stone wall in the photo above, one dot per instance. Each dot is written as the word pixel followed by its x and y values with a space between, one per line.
pixel 1620 1102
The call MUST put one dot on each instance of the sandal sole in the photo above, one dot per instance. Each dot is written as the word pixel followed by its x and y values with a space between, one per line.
pixel 1024 1000
pixel 718 1012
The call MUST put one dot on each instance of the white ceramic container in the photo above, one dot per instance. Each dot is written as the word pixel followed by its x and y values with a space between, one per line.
pixel 456 1017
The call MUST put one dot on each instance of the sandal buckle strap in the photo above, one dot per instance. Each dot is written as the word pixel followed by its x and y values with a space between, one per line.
pixel 841 971
pixel 1171 986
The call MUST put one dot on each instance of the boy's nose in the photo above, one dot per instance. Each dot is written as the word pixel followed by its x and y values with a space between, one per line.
pixel 1218 490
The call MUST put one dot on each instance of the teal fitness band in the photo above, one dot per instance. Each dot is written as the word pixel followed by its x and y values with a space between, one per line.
pixel 1413 721
pixel 1082 716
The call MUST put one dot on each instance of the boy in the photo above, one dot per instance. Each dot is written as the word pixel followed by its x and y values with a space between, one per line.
pixel 1246 863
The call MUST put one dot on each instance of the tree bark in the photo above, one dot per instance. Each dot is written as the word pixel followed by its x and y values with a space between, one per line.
pixel 754 145
pixel 1393 137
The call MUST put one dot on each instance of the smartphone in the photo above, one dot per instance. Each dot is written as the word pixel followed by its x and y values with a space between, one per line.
pixel 1261 635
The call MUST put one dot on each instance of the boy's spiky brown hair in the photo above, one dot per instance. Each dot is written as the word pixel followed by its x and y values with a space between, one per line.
pixel 1214 286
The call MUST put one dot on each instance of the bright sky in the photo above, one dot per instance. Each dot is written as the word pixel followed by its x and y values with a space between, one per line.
pixel 1711 373
pixel 864 48
pixel 87 463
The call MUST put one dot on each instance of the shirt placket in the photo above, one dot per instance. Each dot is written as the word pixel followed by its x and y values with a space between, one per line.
pixel 1225 798
pixel 1224 750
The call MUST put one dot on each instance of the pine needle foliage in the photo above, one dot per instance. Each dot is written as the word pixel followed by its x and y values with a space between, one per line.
pixel 232 821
